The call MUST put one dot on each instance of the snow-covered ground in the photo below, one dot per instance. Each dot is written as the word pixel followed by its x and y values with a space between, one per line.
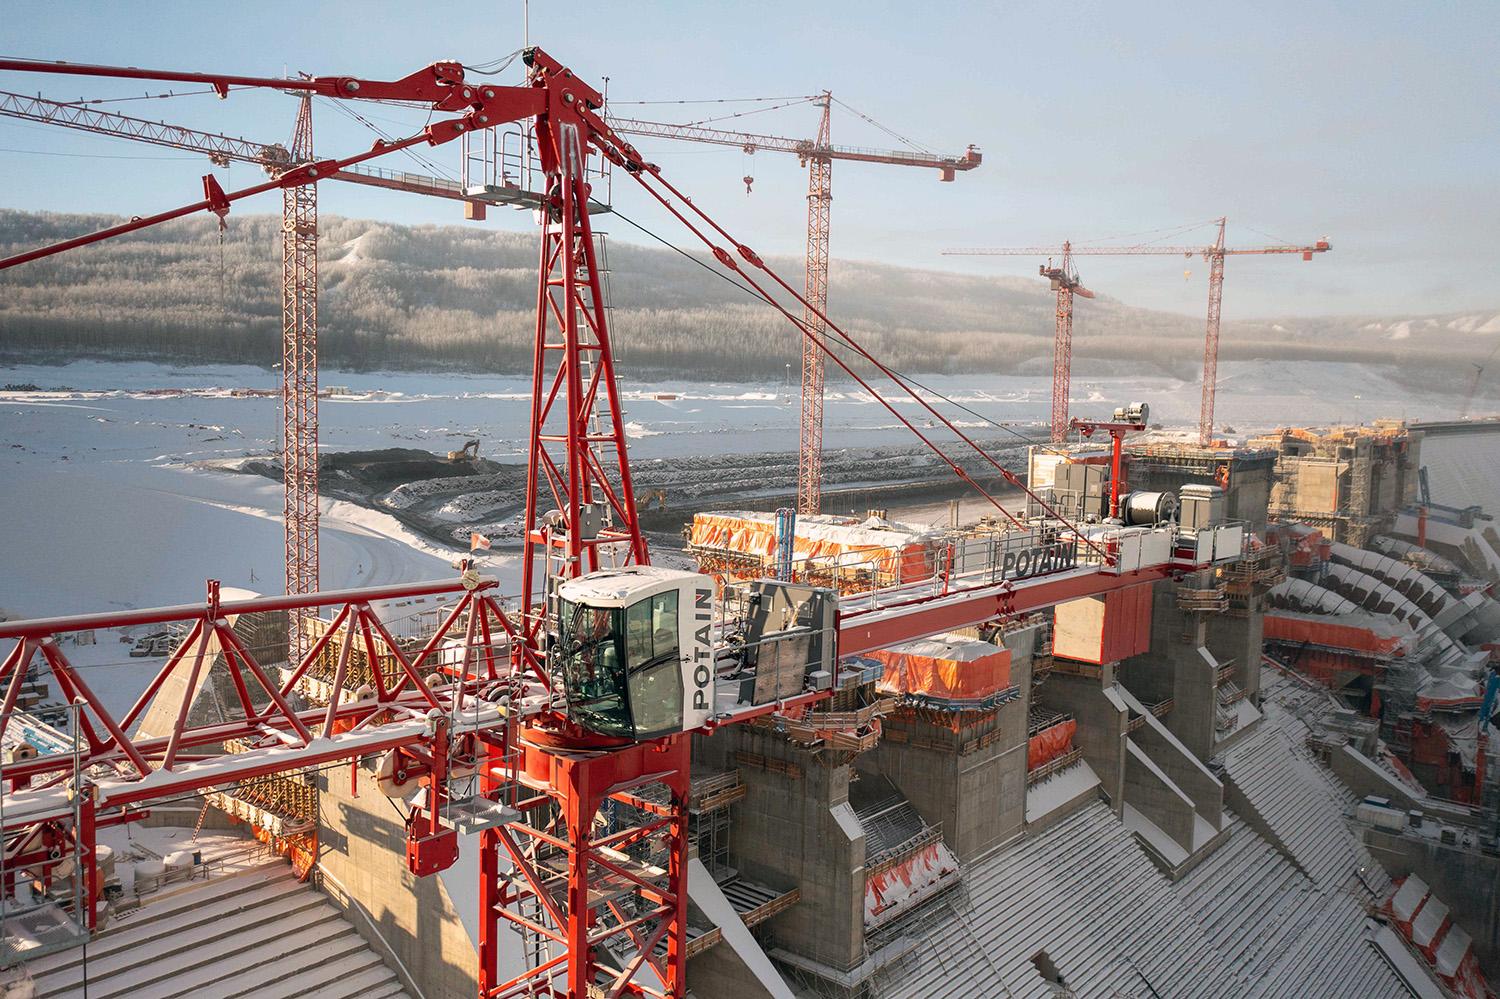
pixel 105 507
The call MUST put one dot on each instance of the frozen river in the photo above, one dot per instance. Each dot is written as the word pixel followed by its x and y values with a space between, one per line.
pixel 105 509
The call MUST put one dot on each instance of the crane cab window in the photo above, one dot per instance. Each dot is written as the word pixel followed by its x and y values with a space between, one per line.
pixel 622 668
pixel 655 668
pixel 592 669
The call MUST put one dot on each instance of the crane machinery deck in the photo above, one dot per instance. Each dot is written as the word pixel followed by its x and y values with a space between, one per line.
pixel 522 718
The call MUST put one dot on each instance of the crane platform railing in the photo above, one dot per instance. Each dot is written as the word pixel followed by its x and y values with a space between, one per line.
pixel 184 753
pixel 471 647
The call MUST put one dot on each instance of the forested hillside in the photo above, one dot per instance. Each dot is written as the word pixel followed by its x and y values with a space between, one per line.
pixel 464 297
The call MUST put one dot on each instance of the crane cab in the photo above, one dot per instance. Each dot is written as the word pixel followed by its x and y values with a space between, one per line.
pixel 634 648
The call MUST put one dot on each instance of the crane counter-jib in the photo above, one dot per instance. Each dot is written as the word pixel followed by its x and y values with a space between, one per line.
pixel 804 148
pixel 26 806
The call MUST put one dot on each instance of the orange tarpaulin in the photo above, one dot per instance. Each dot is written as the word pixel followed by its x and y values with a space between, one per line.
pixel 904 885
pixel 1329 633
pixel 899 554
pixel 948 667
pixel 1050 743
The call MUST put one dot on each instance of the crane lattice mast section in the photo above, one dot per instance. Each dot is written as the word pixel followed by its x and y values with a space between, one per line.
pixel 299 376
pixel 819 201
pixel 818 155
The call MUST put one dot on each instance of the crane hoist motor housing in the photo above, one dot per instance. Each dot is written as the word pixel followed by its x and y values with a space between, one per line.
pixel 634 646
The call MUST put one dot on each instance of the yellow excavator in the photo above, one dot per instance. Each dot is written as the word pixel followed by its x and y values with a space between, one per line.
pixel 470 452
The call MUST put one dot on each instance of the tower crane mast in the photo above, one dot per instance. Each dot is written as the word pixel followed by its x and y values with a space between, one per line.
pixel 1214 254
pixel 549 704
pixel 299 375
pixel 299 288
pixel 817 155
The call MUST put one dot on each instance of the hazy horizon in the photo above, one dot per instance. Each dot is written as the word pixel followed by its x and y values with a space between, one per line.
pixel 1370 125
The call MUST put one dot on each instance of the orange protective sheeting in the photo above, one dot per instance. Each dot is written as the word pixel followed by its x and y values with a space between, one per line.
pixel 902 886
pixel 1329 633
pixel 1050 743
pixel 300 848
pixel 950 668
pixel 840 542
pixel 1103 629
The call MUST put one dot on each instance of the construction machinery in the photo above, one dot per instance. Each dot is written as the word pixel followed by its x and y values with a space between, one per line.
pixel 582 692
pixel 817 155
pixel 469 452
pixel 1214 254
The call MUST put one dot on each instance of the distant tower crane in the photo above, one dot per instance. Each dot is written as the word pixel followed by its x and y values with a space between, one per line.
pixel 1463 414
pixel 299 288
pixel 1066 284
pixel 299 376
pixel 818 155
pixel 1214 254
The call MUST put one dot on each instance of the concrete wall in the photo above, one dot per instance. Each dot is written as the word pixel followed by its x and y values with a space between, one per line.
pixel 1465 879
pixel 1363 777
pixel 797 832
pixel 1101 727
pixel 362 845
pixel 1239 639
pixel 1149 790
pixel 719 971
pixel 1184 769
pixel 1248 492
pixel 977 798
pixel 1178 666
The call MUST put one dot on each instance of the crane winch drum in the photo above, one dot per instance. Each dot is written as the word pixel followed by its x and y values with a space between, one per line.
pixel 1143 509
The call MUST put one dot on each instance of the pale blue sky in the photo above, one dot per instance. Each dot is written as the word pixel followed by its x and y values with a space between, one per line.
pixel 1372 123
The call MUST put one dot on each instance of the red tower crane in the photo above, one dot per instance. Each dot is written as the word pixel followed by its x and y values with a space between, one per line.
pixel 299 287
pixel 542 703
pixel 818 155
pixel 1065 284
pixel 1214 254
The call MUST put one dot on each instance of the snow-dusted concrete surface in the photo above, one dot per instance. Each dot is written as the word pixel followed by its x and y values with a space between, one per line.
pixel 247 929
pixel 1464 468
